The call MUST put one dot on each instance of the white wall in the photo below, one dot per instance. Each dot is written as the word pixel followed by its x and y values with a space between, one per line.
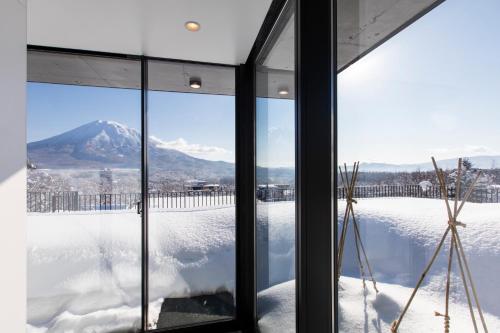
pixel 12 165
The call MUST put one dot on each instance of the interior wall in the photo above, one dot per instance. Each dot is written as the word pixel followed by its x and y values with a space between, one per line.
pixel 12 165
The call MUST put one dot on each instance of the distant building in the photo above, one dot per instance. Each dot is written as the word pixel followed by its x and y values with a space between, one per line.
pixel 211 187
pixel 194 185
pixel 275 192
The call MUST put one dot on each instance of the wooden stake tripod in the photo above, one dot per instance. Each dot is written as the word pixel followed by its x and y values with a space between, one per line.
pixel 455 247
pixel 349 185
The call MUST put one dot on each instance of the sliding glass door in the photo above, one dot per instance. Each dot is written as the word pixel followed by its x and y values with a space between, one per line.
pixel 86 213
pixel 83 233
pixel 191 151
pixel 275 179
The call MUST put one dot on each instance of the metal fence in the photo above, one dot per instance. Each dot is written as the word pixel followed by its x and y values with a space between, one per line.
pixel 486 195
pixel 46 202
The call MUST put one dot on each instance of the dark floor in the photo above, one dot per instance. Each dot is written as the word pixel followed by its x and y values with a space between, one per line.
pixel 188 311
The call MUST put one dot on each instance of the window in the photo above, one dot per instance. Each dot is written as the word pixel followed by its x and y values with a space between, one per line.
pixel 84 148
pixel 425 92
pixel 191 152
pixel 275 179
pixel 85 209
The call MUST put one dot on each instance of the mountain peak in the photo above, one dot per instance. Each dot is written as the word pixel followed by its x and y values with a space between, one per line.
pixel 107 123
pixel 108 144
pixel 98 141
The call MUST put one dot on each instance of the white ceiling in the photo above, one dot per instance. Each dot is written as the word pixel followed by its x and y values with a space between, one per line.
pixel 61 68
pixel 364 24
pixel 150 27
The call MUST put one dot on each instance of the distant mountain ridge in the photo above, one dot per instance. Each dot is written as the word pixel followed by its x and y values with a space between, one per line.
pixel 108 144
pixel 103 144
pixel 481 162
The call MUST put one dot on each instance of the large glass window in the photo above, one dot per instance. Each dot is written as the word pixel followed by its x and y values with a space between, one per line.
pixel 191 151
pixel 83 239
pixel 84 194
pixel 275 179
pixel 430 91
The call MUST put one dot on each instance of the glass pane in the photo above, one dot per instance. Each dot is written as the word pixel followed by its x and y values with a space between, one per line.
pixel 425 92
pixel 83 252
pixel 275 206
pixel 191 194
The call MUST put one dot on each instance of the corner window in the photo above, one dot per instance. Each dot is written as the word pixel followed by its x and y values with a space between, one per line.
pixel 275 179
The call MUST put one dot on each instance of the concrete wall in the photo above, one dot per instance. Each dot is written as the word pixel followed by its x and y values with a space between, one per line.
pixel 12 165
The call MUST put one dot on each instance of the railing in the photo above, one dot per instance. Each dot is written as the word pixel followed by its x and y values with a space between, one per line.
pixel 275 194
pixel 482 195
pixel 46 202
pixel 380 191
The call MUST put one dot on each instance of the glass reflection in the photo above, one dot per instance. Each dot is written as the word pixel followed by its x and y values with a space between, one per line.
pixel 275 174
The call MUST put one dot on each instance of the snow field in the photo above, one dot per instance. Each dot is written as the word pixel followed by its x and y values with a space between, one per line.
pixel 84 269
pixel 366 311
pixel 401 234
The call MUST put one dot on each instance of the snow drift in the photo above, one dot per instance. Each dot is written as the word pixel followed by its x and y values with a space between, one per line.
pixel 84 269
pixel 365 311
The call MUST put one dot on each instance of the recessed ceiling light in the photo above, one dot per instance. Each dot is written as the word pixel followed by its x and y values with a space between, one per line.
pixel 283 91
pixel 195 83
pixel 192 26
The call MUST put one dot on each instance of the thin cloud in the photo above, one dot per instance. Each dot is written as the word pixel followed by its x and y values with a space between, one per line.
pixel 465 151
pixel 194 149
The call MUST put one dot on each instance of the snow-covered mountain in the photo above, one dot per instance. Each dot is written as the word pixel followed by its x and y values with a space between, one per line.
pixel 92 145
pixel 108 144
pixel 481 162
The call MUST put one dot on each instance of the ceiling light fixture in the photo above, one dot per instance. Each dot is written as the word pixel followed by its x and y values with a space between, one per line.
pixel 195 83
pixel 283 91
pixel 192 26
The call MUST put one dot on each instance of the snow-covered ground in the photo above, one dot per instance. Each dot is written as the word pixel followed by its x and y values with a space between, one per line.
pixel 367 311
pixel 84 272
pixel 84 269
pixel 400 235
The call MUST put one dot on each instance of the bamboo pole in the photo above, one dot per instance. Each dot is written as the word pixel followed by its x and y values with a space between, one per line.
pixel 464 281
pixel 448 283
pixel 349 185
pixel 344 227
pixel 455 246
pixel 360 263
pixel 396 323
pixel 483 322
pixel 356 229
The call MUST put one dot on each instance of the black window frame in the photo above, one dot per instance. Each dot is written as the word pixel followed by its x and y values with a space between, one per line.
pixel 315 79
pixel 316 156
pixel 225 325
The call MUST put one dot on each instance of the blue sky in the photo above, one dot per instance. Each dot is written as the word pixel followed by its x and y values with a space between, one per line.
pixel 200 125
pixel 275 126
pixel 434 89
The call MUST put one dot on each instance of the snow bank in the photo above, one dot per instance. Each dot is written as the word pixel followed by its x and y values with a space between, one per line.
pixel 276 308
pixel 279 220
pixel 84 269
pixel 401 234
pixel 365 311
